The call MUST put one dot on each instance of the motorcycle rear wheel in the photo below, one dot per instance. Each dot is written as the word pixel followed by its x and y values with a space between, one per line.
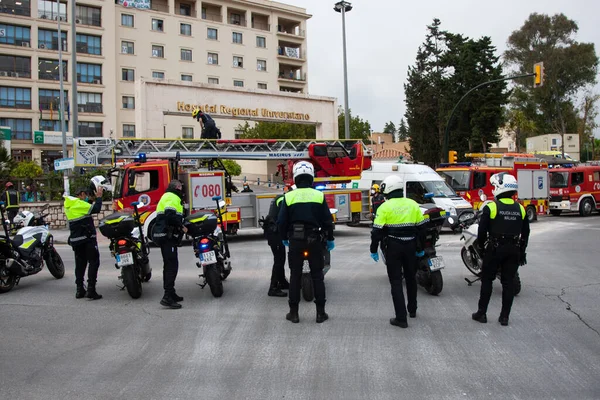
pixel 7 283
pixel 132 282
pixel 468 261
pixel 308 292
pixel 213 278
pixel 436 283
pixel 55 264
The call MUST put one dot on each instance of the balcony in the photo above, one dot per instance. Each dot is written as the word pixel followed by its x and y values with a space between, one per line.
pixel 91 79
pixel 12 41
pixel 260 22
pixel 287 27
pixel 11 7
pixel 51 44
pixel 291 52
pixel 236 17
pixel 290 89
pixel 160 5
pixel 186 9
pixel 52 15
pixel 211 12
pixel 291 75
pixel 88 20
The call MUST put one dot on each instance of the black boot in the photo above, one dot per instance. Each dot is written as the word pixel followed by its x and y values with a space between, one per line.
pixel 168 301
pixel 274 291
pixel 321 314
pixel 399 323
pixel 503 320
pixel 92 294
pixel 80 293
pixel 479 316
pixel 283 285
pixel 177 298
pixel 292 316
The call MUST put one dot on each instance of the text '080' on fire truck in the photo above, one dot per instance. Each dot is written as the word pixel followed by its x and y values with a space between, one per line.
pixel 148 165
pixel 472 179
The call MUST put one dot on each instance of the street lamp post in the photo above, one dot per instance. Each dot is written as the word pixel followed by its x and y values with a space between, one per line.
pixel 62 103
pixel 344 7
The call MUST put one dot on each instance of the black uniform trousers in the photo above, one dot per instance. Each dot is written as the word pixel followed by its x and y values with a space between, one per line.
pixel 168 249
pixel 506 258
pixel 315 262
pixel 12 213
pixel 401 259
pixel 278 272
pixel 86 253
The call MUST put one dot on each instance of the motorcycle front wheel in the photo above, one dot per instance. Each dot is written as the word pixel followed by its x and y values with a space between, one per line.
pixel 7 282
pixel 468 261
pixel 55 263
pixel 213 278
pixel 132 282
pixel 436 283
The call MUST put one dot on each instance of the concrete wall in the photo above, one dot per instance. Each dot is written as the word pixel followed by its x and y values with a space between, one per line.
pixel 56 214
pixel 163 107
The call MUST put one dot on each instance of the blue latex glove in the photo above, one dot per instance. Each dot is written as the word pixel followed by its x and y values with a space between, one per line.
pixel 330 245
pixel 286 243
pixel 420 253
pixel 375 257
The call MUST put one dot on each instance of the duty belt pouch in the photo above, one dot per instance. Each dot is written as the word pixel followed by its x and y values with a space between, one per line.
pixel 170 232
pixel 298 232
pixel 314 237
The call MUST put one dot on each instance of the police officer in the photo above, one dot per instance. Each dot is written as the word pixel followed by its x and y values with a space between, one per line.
pixel 503 233
pixel 304 222
pixel 398 227
pixel 207 124
pixel 377 199
pixel 271 231
pixel 10 197
pixel 79 212
pixel 167 233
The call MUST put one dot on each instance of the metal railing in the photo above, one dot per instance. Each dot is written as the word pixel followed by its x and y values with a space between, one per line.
pixel 159 7
pixel 281 52
pixel 51 44
pixel 51 76
pixel 263 26
pixel 12 41
pixel 16 104
pixel 91 79
pixel 215 17
pixel 290 30
pixel 52 15
pixel 15 73
pixel 292 76
pixel 90 108
pixel 45 103
pixel 236 21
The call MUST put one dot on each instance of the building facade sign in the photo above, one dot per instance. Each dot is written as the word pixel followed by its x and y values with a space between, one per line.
pixel 242 112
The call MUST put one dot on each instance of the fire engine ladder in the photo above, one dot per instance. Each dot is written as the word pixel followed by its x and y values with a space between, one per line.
pixel 103 151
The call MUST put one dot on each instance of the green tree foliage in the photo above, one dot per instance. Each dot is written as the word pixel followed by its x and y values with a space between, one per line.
pixel 569 67
pixel 447 66
pixel 359 129
pixel 27 169
pixel 232 167
pixel 6 162
pixel 277 130
pixel 390 128
pixel 520 126
pixel 587 124
pixel 402 131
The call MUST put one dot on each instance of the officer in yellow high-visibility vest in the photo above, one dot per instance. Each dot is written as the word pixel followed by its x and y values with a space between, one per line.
pixel 10 197
pixel 503 234
pixel 79 212
pixel 398 226
pixel 167 233
pixel 304 223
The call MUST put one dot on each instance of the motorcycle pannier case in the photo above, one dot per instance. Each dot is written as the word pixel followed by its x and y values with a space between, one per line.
pixel 117 225
pixel 201 223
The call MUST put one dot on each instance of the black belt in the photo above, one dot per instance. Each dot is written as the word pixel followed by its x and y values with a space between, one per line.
pixel 505 239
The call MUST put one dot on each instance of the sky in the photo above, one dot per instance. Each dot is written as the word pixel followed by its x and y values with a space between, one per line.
pixel 383 36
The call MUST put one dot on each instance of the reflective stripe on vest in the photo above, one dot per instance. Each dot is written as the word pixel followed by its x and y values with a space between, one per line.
pixel 398 213
pixel 169 201
pixel 494 208
pixel 12 199
pixel 304 195
pixel 278 201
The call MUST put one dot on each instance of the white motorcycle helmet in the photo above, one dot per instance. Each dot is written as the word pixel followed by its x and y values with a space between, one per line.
pixel 503 183
pixel 391 183
pixel 23 218
pixel 100 181
pixel 303 168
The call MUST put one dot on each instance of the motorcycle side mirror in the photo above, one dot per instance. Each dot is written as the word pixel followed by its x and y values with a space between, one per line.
pixel 483 197
pixel 216 198
pixel 428 196
pixel 135 204
pixel 451 220
pixel 333 211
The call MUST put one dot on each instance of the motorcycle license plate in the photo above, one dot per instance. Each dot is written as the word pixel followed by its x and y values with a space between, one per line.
pixel 436 263
pixel 124 259
pixel 208 258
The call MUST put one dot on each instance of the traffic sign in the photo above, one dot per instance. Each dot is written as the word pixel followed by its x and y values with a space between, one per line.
pixel 64 163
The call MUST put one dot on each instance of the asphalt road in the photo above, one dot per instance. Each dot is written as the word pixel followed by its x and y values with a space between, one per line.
pixel 240 346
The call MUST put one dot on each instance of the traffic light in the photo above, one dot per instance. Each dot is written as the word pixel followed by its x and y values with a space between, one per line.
pixel 538 70
pixel 452 157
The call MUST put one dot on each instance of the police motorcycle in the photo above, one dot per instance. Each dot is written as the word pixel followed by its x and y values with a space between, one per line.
pixel 129 247
pixel 210 247
pixel 26 253
pixel 306 283
pixel 470 253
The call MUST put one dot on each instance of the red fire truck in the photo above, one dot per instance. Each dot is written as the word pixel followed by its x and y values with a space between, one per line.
pixel 575 189
pixel 157 161
pixel 472 179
